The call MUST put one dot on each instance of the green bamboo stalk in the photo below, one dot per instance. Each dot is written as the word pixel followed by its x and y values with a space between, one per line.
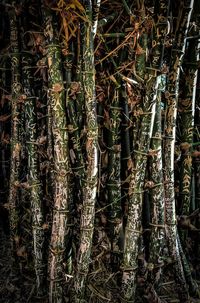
pixel 33 179
pixel 16 92
pixel 73 90
pixel 141 46
pixel 136 188
pixel 127 8
pixel 197 161
pixel 193 286
pixel 187 112
pixel 78 166
pixel 186 107
pixel 114 172
pixel 126 161
pixel 61 159
pixel 156 185
pixel 79 78
pixel 5 77
pixel 147 74
pixel 90 188
pixel 178 49
pixel 109 18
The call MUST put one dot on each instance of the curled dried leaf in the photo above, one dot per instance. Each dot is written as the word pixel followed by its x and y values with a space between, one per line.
pixel 184 146
pixel 57 88
pixel 4 118
pixel 149 184
pixel 139 50
pixel 42 140
pixel 21 252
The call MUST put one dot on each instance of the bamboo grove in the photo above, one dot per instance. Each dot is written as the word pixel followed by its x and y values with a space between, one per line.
pixel 100 151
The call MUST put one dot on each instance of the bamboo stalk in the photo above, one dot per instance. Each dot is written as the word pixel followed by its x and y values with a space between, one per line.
pixel 73 89
pixel 33 179
pixel 134 227
pixel 156 185
pixel 186 107
pixel 197 162
pixel 96 9
pixel 79 78
pixel 90 188
pixel 61 160
pixel 114 173
pixel 187 111
pixel 178 49
pixel 157 238
pixel 16 91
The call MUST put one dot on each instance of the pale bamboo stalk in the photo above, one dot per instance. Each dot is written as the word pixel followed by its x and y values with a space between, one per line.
pixel 156 185
pixel 90 188
pixel 148 76
pixel 157 238
pixel 96 9
pixel 133 227
pixel 169 145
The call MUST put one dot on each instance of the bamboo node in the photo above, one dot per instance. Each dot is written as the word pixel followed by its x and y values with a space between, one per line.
pixel 156 138
pixel 137 192
pixel 129 268
pixel 55 280
pixel 61 210
pixel 134 230
pixel 86 228
pixel 115 108
pixel 157 184
pixel 56 251
pixel 157 225
pixel 140 152
pixel 153 152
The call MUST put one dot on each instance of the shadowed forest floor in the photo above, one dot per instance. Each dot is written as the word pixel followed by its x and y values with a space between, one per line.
pixel 20 288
